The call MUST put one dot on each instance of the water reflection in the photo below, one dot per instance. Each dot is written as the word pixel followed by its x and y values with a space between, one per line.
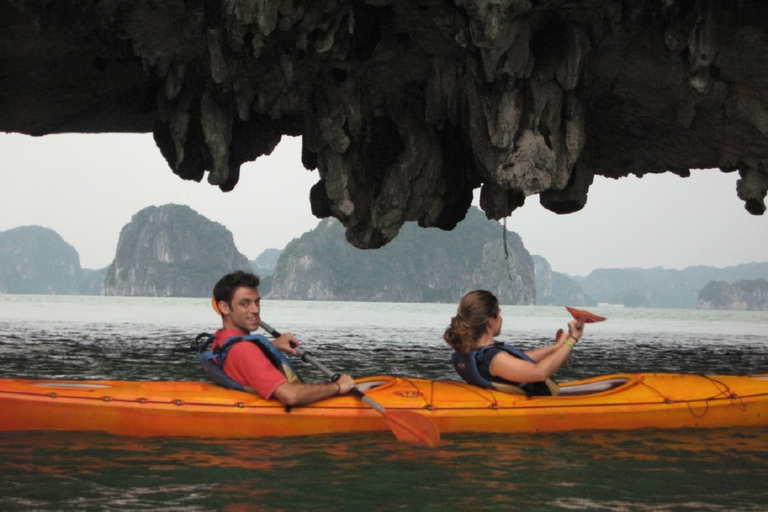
pixel 671 470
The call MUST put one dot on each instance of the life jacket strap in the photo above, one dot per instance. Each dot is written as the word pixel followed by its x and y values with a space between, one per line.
pixel 213 360
pixel 466 366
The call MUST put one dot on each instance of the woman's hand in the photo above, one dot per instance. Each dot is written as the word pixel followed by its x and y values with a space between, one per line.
pixel 575 329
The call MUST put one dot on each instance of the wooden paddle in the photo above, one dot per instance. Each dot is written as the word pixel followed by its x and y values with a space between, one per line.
pixel 407 426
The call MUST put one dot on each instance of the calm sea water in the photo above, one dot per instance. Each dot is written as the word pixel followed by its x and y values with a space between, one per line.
pixel 148 339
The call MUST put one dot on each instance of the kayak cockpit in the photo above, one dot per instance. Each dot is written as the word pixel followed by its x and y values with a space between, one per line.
pixel 369 385
pixel 591 388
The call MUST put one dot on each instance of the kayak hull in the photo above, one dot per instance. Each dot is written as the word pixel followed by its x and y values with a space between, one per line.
pixel 197 409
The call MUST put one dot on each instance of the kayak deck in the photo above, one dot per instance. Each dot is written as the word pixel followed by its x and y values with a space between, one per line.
pixel 198 409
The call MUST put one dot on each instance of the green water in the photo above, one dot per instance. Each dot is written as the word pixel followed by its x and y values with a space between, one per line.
pixel 669 471
pixel 146 339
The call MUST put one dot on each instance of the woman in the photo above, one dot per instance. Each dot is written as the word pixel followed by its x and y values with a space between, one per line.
pixel 489 364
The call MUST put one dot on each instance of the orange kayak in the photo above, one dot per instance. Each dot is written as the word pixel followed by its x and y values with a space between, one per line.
pixel 197 409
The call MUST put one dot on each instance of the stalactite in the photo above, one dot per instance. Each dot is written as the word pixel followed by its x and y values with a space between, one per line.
pixel 406 107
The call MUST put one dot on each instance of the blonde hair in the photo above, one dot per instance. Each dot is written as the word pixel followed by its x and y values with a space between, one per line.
pixel 471 320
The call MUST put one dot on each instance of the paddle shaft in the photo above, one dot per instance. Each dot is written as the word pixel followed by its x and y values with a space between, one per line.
pixel 309 358
pixel 407 426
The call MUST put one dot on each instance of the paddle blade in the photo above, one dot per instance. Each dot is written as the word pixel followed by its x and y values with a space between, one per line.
pixel 412 427
pixel 584 316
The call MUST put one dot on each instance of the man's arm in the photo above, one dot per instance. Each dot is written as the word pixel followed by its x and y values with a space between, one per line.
pixel 293 394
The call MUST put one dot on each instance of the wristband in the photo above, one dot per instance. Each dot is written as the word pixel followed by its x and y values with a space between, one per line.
pixel 568 343
pixel 338 386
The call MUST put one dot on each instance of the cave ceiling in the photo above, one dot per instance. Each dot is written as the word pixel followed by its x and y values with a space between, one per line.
pixel 405 107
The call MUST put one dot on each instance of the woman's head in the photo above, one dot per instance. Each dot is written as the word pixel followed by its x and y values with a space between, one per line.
pixel 471 320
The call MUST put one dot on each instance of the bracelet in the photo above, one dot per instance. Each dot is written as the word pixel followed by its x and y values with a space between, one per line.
pixel 574 338
pixel 568 343
pixel 338 386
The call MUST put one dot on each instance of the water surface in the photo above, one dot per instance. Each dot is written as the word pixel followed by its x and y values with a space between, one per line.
pixel 148 339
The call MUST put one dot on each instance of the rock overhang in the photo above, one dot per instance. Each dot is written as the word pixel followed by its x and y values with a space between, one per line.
pixel 406 107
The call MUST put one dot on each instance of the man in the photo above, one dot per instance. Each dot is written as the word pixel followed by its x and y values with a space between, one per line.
pixel 236 296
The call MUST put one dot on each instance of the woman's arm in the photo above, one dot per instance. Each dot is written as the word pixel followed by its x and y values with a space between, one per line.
pixel 510 368
pixel 538 354
pixel 550 359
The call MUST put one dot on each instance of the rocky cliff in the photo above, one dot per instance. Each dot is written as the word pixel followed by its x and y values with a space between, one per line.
pixel 406 106
pixel 556 289
pixel 37 260
pixel 750 295
pixel 171 251
pixel 419 266
pixel 265 263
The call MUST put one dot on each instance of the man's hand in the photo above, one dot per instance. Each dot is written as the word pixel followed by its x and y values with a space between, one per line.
pixel 346 383
pixel 287 343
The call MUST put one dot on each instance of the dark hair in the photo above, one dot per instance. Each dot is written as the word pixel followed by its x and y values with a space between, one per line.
pixel 225 288
pixel 471 320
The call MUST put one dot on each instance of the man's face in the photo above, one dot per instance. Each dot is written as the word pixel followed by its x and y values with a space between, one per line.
pixel 243 313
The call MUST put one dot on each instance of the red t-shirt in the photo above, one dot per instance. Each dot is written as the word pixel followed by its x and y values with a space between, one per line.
pixel 247 364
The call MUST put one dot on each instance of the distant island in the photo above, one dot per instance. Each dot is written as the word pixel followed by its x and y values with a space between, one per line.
pixel 664 288
pixel 420 265
pixel 173 251
pixel 748 295
pixel 36 260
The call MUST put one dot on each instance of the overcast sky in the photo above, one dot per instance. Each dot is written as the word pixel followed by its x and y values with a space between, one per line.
pixel 87 187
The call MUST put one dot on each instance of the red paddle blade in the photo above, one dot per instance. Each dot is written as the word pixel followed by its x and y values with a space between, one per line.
pixel 584 316
pixel 412 427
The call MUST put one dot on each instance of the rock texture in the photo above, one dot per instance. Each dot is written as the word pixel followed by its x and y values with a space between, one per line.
pixel 171 251
pixel 749 295
pixel 265 263
pixel 36 260
pixel 419 266
pixel 406 106
pixel 557 289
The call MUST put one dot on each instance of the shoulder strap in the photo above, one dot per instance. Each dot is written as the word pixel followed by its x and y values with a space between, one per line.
pixel 466 367
pixel 512 351
pixel 274 355
pixel 213 367
pixel 213 360
pixel 542 388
